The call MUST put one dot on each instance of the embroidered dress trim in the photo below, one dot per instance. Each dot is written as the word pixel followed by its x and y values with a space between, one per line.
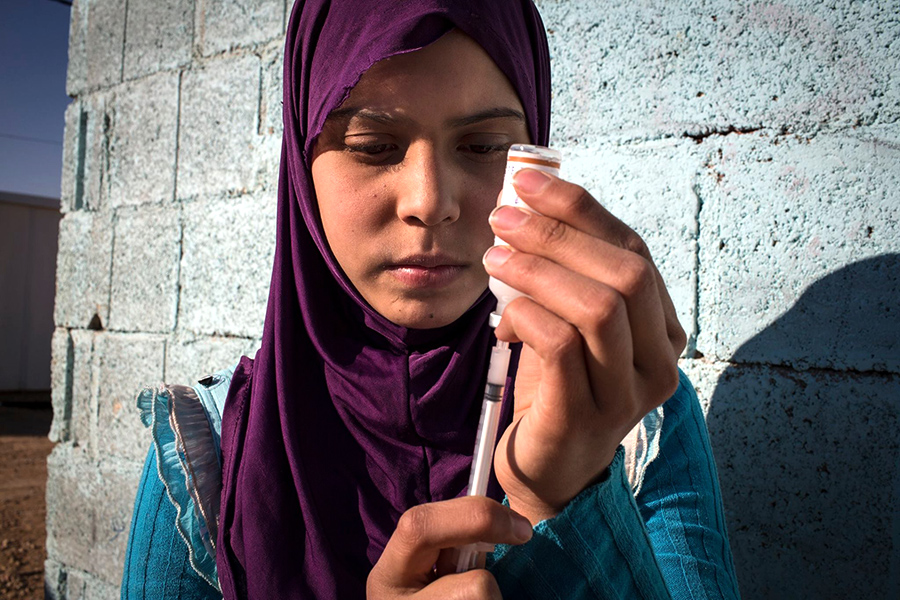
pixel 188 465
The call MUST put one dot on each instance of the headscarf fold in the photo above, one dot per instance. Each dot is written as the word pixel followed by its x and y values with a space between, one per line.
pixel 345 420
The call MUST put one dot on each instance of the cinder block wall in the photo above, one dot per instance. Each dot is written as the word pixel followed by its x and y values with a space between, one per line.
pixel 756 147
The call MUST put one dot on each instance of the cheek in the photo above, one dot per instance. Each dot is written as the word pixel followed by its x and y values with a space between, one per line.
pixel 484 200
pixel 350 210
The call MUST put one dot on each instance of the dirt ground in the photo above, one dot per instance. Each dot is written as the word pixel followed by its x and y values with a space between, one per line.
pixel 23 477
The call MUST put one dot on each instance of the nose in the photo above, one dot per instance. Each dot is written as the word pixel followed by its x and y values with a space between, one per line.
pixel 428 193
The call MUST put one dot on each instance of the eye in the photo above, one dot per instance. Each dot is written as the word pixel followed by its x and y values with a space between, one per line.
pixel 371 149
pixel 484 150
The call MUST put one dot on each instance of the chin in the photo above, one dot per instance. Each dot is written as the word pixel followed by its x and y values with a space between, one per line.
pixel 430 320
pixel 424 315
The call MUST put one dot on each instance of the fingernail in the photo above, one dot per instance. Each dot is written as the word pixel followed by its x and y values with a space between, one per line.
pixel 508 217
pixel 496 256
pixel 522 528
pixel 530 181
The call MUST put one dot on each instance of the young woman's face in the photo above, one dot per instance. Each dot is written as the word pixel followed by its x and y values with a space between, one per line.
pixel 406 172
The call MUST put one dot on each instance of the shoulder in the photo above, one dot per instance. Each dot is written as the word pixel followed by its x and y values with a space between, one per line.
pixel 185 424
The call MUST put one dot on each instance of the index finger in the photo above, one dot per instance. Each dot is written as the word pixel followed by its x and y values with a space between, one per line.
pixel 573 205
pixel 424 530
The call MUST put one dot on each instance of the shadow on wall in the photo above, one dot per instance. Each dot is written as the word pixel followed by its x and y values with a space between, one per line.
pixel 808 450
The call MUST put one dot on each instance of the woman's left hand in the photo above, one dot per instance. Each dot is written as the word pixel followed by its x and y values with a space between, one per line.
pixel 601 340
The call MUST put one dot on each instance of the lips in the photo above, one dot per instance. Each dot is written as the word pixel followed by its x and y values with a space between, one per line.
pixel 426 270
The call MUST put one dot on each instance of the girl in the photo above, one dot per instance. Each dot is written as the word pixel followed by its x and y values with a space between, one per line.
pixel 346 444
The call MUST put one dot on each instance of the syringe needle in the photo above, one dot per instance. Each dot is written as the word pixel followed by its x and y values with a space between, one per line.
pixel 485 440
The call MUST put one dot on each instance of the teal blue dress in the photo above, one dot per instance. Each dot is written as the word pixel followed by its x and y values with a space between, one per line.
pixel 663 536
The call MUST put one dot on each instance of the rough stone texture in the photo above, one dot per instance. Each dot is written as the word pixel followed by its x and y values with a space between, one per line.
pixel 270 114
pixel 637 70
pixel 70 158
pixel 704 375
pixel 54 580
pixel 76 69
pixel 83 269
pixel 127 363
pixel 85 154
pixel 188 359
pixel 76 585
pixel 144 294
pixel 159 36
pixel 96 589
pixel 96 42
pixel 114 499
pixel 801 237
pixel 218 133
pixel 71 481
pixel 143 141
pixel 61 371
pixel 61 583
pixel 808 477
pixel 650 186
pixel 227 301
pixel 83 426
pixel 226 24
pixel 89 510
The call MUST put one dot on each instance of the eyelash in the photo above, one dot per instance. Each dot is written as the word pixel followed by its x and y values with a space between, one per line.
pixel 376 151
pixel 370 149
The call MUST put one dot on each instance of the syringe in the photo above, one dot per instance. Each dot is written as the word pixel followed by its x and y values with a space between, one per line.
pixel 521 156
pixel 470 556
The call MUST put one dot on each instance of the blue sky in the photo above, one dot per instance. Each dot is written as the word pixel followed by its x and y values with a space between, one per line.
pixel 33 54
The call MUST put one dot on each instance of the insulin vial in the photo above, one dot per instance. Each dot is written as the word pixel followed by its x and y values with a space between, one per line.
pixel 521 156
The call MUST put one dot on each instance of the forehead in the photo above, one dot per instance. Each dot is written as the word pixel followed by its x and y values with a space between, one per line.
pixel 452 74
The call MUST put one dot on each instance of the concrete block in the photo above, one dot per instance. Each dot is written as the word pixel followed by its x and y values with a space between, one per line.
pixel 229 246
pixel 159 36
pixel 800 253
pixel 54 580
pixel 71 148
pixel 643 70
pixel 85 153
pixel 704 376
pixel 115 502
pixel 77 585
pixel 83 429
pixel 76 69
pixel 808 464
pixel 83 270
pixel 270 114
pixel 61 369
pixel 97 589
pixel 142 146
pixel 126 363
pixel 144 289
pixel 71 484
pixel 190 358
pixel 650 187
pixel 223 24
pixel 96 43
pixel 218 137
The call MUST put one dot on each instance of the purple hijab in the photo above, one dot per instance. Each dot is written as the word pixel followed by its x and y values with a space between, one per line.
pixel 345 420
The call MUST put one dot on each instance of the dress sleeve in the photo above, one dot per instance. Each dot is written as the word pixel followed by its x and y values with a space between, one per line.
pixel 682 505
pixel 668 542
pixel 157 561
pixel 171 547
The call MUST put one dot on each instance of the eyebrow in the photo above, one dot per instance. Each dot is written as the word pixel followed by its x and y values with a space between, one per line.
pixel 487 115
pixel 384 118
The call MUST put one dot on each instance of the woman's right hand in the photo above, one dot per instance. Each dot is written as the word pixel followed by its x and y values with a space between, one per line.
pixel 419 559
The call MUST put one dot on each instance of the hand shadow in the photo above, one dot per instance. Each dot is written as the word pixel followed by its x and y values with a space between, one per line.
pixel 804 425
